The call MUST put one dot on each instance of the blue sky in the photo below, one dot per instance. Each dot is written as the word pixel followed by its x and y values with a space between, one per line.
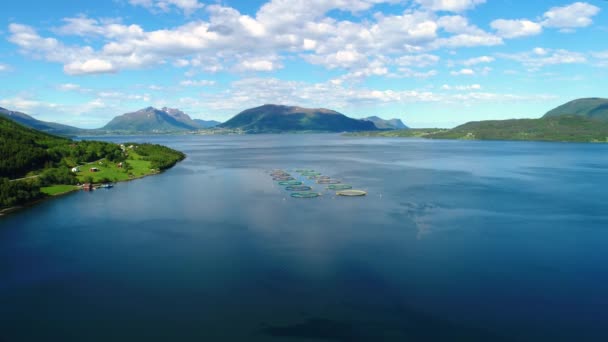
pixel 434 63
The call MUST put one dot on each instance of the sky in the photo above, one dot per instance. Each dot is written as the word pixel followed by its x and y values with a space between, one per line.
pixel 430 63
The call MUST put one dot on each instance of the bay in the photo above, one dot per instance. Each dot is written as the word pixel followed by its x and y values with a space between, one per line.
pixel 456 240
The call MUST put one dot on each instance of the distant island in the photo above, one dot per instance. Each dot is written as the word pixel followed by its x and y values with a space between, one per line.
pixel 36 165
pixel 581 120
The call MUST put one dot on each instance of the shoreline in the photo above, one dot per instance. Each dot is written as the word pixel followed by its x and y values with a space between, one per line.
pixel 7 211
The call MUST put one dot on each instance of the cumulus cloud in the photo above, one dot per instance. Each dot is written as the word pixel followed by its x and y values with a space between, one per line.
pixel 417 61
pixel 477 60
pixel 187 6
pixel 516 28
pixel 197 83
pixel 450 5
pixel 463 72
pixel 389 45
pixel 251 92
pixel 4 67
pixel 90 66
pixel 229 40
pixel 541 57
pixel 576 15
pixel 461 87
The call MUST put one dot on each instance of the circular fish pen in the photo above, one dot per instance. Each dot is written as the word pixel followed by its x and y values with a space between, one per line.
pixel 328 181
pixel 351 193
pixel 290 182
pixel 305 194
pixel 339 187
pixel 298 188
pixel 285 178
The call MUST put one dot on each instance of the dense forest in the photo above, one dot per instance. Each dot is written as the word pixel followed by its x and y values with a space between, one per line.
pixel 32 159
pixel 161 157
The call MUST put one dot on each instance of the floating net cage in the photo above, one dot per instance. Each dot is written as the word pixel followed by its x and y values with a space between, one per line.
pixel 304 170
pixel 283 178
pixel 290 182
pixel 351 193
pixel 328 181
pixel 280 175
pixel 310 174
pixel 298 188
pixel 305 194
pixel 339 187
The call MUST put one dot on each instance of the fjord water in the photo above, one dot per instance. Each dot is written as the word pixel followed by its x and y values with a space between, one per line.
pixel 456 240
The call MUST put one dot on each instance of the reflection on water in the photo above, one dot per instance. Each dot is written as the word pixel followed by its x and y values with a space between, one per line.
pixel 456 240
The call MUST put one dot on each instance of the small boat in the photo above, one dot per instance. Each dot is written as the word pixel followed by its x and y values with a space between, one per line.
pixel 107 186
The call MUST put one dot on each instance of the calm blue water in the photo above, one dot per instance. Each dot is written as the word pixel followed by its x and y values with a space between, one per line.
pixel 457 240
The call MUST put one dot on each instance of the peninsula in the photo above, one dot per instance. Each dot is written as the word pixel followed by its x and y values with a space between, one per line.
pixel 36 165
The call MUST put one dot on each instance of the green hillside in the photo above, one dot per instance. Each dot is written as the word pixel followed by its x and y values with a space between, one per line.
pixel 277 119
pixel 49 127
pixel 33 160
pixel 592 108
pixel 560 128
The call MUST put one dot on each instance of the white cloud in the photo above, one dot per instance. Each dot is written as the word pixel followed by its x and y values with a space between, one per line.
pixel 417 61
pixel 450 5
pixel 463 72
pixel 477 60
pixel 187 6
pixel 337 95
pixel 69 87
pixel 90 66
pixel 260 64
pixel 541 57
pixel 578 14
pixel 601 58
pixel 461 87
pixel 389 45
pixel 516 28
pixel 409 73
pixel 4 67
pixel 197 83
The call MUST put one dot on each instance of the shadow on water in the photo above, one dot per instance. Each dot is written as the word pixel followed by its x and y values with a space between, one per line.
pixel 393 320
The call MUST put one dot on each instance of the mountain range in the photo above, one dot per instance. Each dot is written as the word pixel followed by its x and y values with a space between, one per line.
pixel 578 120
pixel 272 118
pixel 386 124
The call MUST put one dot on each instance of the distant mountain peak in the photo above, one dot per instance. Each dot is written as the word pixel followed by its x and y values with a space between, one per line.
pixel 592 107
pixel 386 124
pixel 282 118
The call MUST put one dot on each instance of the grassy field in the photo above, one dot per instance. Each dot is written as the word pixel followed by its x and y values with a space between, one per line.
pixel 58 189
pixel 134 167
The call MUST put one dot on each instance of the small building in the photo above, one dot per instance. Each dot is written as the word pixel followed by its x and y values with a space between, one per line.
pixel 94 169
pixel 88 187
pixel 119 165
